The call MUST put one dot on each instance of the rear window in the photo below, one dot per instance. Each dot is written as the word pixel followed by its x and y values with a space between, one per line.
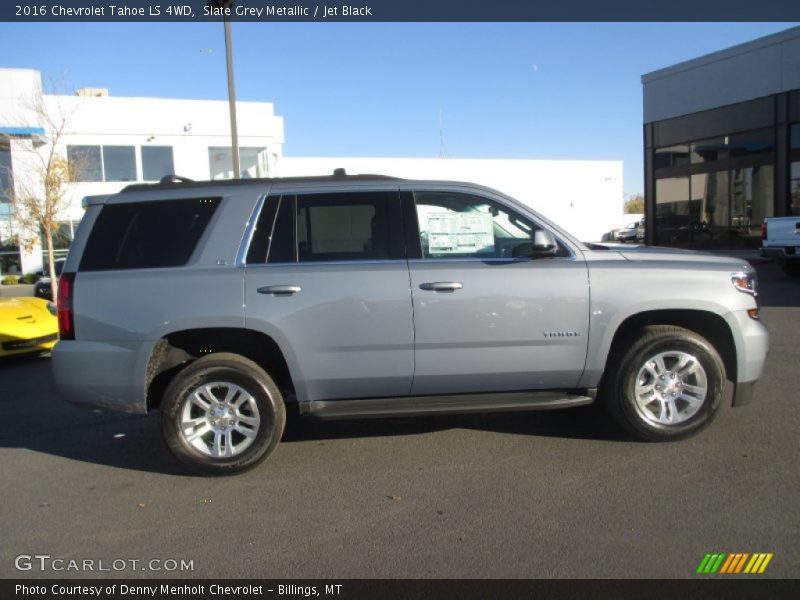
pixel 145 235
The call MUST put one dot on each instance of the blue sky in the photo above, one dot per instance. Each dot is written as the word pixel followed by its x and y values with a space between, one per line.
pixel 505 90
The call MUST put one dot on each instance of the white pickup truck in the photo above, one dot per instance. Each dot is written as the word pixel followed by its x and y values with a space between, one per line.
pixel 780 239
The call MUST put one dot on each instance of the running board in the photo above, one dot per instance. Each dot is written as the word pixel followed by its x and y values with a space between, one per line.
pixel 455 404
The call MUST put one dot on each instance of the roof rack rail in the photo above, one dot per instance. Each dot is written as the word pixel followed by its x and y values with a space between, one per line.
pixel 172 178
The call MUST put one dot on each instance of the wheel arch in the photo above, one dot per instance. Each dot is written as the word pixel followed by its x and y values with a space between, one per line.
pixel 709 325
pixel 176 350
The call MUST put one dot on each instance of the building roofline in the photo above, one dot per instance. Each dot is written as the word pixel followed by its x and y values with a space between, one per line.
pixel 744 48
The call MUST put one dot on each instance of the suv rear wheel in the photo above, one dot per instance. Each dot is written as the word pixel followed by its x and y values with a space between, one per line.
pixel 222 414
pixel 665 383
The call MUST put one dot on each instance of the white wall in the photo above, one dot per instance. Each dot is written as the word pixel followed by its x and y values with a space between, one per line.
pixel 190 127
pixel 20 89
pixel 583 197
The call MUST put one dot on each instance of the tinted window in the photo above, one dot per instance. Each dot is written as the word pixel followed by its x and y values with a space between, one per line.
pixel 282 246
pixel 709 150
pixel 147 234
pixel 257 252
pixel 84 163
pixel 5 172
pixel 794 171
pixel 752 142
pixel 272 235
pixel 119 163
pixel 673 156
pixel 351 226
pixel 672 211
pixel 157 162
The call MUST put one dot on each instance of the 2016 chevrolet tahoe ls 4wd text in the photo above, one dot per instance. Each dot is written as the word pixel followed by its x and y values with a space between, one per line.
pixel 222 303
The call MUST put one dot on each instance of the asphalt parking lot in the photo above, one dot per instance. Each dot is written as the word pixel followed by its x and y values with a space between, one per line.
pixel 550 494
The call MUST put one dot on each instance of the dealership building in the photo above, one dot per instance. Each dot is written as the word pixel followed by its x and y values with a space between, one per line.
pixel 722 144
pixel 113 141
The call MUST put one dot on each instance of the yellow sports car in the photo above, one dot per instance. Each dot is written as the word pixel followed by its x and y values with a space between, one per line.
pixel 26 326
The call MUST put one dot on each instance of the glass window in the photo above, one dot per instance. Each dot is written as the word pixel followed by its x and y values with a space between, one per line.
pixel 157 161
pixel 710 209
pixel 752 200
pixel 10 263
pixel 709 150
pixel 794 189
pixel 142 235
pixel 672 156
pixel 63 234
pixel 252 162
pixel 351 226
pixel 453 225
pixel 672 211
pixel 5 173
pixel 259 241
pixel 85 163
pixel 794 171
pixel 751 143
pixel 282 247
pixel 119 163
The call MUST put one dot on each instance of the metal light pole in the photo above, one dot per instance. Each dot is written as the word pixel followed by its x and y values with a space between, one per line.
pixel 231 89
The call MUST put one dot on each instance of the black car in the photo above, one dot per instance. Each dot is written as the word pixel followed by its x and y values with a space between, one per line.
pixel 43 289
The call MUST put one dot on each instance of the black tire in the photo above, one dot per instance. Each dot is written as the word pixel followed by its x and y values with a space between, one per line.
pixel 259 391
pixel 629 360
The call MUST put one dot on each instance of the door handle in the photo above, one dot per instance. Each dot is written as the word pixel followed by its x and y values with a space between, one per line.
pixel 441 286
pixel 279 290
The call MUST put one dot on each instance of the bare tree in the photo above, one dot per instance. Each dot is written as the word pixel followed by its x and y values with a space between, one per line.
pixel 39 189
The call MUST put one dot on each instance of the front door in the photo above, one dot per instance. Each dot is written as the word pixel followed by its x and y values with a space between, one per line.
pixel 484 318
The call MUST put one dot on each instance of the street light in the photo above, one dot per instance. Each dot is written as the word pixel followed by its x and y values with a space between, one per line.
pixel 228 4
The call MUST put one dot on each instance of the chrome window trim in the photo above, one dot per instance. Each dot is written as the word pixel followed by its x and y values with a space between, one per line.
pixel 333 263
pixel 247 236
pixel 416 261
pixel 413 261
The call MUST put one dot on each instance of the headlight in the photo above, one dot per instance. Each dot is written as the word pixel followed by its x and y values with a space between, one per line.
pixel 745 282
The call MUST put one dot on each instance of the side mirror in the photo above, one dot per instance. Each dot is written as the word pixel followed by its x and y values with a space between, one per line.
pixel 544 244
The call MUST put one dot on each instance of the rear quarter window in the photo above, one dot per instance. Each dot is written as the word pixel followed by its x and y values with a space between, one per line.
pixel 141 235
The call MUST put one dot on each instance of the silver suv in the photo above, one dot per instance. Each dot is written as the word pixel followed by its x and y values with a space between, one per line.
pixel 224 303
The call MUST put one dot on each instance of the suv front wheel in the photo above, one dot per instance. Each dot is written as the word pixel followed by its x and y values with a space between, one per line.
pixel 665 383
pixel 222 414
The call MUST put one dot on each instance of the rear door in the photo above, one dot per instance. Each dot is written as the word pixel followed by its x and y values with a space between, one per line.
pixel 485 320
pixel 327 278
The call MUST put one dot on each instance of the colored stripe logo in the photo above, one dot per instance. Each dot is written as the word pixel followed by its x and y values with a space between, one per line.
pixel 734 563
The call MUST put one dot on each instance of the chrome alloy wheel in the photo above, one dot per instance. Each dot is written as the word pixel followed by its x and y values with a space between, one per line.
pixel 220 419
pixel 670 388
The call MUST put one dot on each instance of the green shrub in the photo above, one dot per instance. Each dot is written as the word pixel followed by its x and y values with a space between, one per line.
pixel 29 278
pixel 9 280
